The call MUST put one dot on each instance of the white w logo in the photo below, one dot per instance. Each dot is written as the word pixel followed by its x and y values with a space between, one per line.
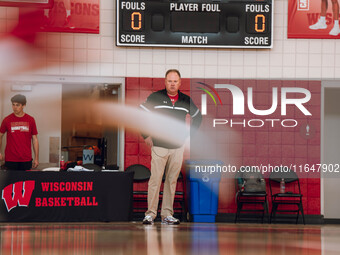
pixel 18 193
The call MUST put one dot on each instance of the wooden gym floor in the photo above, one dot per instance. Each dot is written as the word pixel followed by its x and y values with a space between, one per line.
pixel 186 238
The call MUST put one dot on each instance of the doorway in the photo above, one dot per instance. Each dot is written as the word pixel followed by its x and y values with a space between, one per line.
pixel 83 128
pixel 331 149
pixel 45 97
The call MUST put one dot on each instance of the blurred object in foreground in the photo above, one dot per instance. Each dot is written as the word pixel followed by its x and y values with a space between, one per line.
pixel 19 49
pixel 28 3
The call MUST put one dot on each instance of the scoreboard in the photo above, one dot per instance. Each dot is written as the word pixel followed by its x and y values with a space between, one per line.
pixel 215 24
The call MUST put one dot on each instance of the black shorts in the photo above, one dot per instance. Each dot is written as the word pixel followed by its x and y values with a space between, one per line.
pixel 18 166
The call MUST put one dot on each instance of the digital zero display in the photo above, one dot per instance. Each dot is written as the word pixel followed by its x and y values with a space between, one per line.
pixel 215 24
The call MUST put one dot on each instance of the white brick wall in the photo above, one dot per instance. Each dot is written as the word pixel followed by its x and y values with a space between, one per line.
pixel 96 54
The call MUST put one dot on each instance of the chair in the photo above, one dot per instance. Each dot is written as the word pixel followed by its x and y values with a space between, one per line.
pixel 140 189
pixel 291 200
pixel 250 201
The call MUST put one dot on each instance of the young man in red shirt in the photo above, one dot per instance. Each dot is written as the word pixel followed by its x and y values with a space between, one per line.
pixel 21 133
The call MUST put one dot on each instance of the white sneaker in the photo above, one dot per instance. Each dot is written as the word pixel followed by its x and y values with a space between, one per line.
pixel 318 25
pixel 335 30
pixel 170 220
pixel 148 220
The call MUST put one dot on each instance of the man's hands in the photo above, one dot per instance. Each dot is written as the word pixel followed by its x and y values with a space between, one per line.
pixel 35 163
pixel 148 141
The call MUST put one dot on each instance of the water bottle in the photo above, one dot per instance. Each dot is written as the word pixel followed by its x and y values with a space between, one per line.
pixel 62 163
pixel 282 186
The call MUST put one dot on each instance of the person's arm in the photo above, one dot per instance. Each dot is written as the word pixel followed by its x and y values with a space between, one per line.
pixel 147 106
pixel 35 162
pixel 1 157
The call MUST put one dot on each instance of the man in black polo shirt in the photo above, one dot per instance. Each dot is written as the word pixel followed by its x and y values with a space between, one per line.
pixel 167 157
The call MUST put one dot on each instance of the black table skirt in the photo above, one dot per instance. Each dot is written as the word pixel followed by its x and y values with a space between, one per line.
pixel 65 196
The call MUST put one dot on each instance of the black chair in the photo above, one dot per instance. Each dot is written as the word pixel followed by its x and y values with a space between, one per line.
pixel 250 202
pixel 291 200
pixel 142 173
pixel 140 194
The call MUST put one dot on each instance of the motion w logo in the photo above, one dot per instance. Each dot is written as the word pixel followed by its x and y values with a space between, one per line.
pixel 18 194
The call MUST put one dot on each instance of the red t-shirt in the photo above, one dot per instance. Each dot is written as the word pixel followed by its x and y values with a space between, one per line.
pixel 19 137
pixel 173 99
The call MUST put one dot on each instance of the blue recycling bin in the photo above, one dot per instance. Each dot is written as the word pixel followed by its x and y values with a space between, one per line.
pixel 202 188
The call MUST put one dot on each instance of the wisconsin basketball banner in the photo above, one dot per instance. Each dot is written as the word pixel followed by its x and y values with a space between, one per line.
pixel 72 16
pixel 318 19
pixel 55 196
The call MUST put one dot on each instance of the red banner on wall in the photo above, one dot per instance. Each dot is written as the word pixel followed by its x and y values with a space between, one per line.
pixel 27 3
pixel 304 19
pixel 72 16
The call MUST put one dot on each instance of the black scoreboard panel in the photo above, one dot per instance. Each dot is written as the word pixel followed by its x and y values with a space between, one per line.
pixel 194 23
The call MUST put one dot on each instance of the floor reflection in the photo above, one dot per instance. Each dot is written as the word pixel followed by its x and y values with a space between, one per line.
pixel 187 238
pixel 204 240
pixel 160 240
pixel 46 240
